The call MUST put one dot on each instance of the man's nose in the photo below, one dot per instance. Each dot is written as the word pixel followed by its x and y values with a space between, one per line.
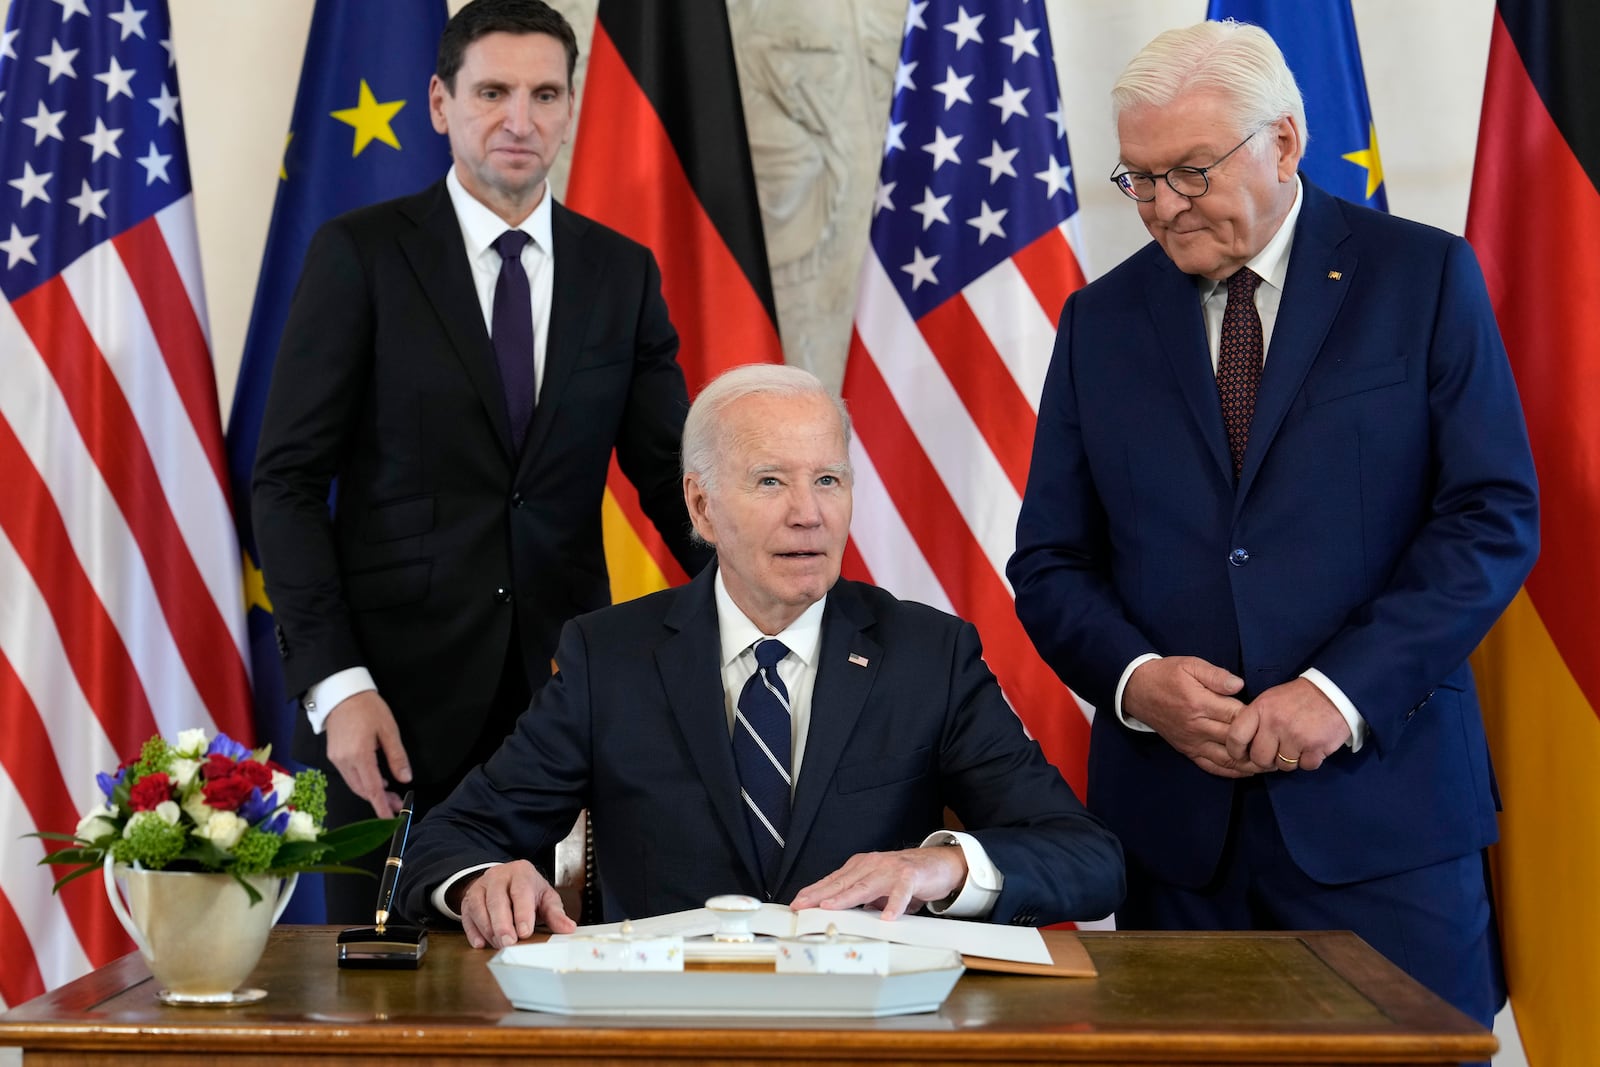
pixel 1169 203
pixel 804 507
pixel 518 114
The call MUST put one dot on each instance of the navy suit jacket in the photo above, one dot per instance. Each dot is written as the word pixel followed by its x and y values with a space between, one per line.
pixel 1385 516
pixel 634 727
pixel 443 533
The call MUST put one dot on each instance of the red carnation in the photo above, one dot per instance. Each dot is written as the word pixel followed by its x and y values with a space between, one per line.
pixel 216 766
pixel 149 791
pixel 257 774
pixel 226 794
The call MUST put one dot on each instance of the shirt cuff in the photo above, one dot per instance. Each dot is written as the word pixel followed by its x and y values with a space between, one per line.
pixel 322 698
pixel 438 896
pixel 984 881
pixel 1122 683
pixel 1352 717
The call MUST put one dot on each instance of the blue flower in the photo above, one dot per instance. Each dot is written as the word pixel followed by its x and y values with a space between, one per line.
pixel 256 807
pixel 227 746
pixel 108 783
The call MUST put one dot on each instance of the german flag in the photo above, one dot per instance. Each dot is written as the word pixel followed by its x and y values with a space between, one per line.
pixel 662 156
pixel 1535 222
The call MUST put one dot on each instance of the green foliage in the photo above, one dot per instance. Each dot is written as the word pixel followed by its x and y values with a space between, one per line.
pixel 311 794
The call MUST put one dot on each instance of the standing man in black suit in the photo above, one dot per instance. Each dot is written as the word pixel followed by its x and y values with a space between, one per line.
pixel 769 728
pixel 456 368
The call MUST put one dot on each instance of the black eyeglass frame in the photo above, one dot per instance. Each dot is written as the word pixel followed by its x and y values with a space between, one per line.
pixel 1118 179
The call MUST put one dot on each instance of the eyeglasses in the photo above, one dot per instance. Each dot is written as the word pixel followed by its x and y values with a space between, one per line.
pixel 1190 182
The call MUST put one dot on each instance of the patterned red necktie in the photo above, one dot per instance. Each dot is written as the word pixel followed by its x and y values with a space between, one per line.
pixel 1239 362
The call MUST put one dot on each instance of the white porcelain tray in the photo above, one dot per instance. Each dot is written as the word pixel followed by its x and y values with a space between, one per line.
pixel 918 980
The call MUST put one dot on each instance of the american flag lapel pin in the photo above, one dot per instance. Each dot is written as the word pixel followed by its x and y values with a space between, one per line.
pixel 858 659
pixel 1334 275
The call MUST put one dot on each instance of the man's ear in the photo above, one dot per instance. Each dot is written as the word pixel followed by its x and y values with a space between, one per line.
pixel 697 500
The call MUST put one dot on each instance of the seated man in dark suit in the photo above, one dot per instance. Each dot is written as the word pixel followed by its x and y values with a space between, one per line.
pixel 769 728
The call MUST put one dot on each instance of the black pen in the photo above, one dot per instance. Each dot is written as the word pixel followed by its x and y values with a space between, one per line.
pixel 391 867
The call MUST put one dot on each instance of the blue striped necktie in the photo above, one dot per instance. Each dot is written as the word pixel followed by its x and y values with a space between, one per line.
pixel 761 752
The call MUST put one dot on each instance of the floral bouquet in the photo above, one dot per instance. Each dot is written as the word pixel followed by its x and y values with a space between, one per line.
pixel 214 805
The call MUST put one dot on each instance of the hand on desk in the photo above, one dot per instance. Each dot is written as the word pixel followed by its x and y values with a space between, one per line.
pixel 502 905
pixel 1191 704
pixel 893 882
pixel 358 727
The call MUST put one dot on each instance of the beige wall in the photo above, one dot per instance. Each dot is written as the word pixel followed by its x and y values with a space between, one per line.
pixel 817 77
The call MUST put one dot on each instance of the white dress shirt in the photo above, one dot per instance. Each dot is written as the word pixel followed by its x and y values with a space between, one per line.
pixel 1271 265
pixel 480 228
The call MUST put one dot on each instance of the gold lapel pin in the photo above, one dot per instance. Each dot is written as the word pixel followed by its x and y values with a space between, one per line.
pixel 1334 275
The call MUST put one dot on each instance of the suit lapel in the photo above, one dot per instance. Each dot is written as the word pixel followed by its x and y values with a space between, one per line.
pixel 837 700
pixel 1319 275
pixel 438 257
pixel 1180 326
pixel 689 662
pixel 576 282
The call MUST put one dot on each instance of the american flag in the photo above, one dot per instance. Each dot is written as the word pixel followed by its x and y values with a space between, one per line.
pixel 120 605
pixel 971 259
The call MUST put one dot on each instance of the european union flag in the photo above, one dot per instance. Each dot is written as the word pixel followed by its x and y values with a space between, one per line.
pixel 360 133
pixel 1318 38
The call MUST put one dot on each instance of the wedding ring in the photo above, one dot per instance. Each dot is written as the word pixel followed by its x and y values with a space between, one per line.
pixel 1287 760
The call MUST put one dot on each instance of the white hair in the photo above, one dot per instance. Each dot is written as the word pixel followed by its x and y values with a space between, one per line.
pixel 704 436
pixel 1235 59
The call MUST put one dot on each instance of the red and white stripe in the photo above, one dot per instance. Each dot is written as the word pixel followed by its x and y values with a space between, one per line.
pixel 121 613
pixel 944 411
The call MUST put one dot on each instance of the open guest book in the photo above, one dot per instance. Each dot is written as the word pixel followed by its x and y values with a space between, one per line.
pixel 983 946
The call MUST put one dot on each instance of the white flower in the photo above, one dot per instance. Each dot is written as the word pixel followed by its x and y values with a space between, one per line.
pixel 168 812
pixel 97 823
pixel 195 804
pixel 223 829
pixel 183 771
pixel 191 742
pixel 302 827
pixel 283 786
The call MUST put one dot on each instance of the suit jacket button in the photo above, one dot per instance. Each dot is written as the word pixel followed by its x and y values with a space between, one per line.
pixel 1239 557
pixel 502 595
pixel 516 500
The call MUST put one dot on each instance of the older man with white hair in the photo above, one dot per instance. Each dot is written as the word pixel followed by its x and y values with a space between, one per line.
pixel 768 729
pixel 1280 489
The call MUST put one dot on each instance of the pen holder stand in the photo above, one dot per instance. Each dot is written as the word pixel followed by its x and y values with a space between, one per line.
pixel 393 946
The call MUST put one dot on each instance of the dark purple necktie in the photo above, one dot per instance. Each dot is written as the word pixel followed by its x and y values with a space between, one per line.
pixel 1239 362
pixel 512 332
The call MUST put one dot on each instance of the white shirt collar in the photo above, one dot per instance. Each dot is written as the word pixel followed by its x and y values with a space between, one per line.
pixel 803 636
pixel 1271 264
pixel 481 227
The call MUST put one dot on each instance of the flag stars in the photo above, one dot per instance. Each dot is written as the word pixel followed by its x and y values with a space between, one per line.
pixel 88 202
pixel 965 27
pixel 59 61
pixel 942 148
pixel 371 119
pixel 882 199
pixel 894 140
pixel 987 222
pixel 6 38
pixel 155 165
pixel 1010 101
pixel 1020 41
pixel 902 76
pixel 1059 117
pixel 45 123
pixel 166 106
pixel 31 185
pixel 70 8
pixel 931 209
pixel 19 247
pixel 914 17
pixel 131 21
pixel 117 80
pixel 172 60
pixel 1055 178
pixel 921 269
pixel 102 140
pixel 999 162
pixel 954 88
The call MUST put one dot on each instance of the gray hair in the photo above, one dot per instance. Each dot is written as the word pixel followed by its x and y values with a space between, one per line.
pixel 1235 59
pixel 703 434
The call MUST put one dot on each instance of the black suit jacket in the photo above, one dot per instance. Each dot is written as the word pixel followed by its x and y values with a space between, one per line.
pixel 635 728
pixel 386 383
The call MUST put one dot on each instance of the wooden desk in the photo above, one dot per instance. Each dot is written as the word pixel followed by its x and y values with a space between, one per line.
pixel 1160 998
